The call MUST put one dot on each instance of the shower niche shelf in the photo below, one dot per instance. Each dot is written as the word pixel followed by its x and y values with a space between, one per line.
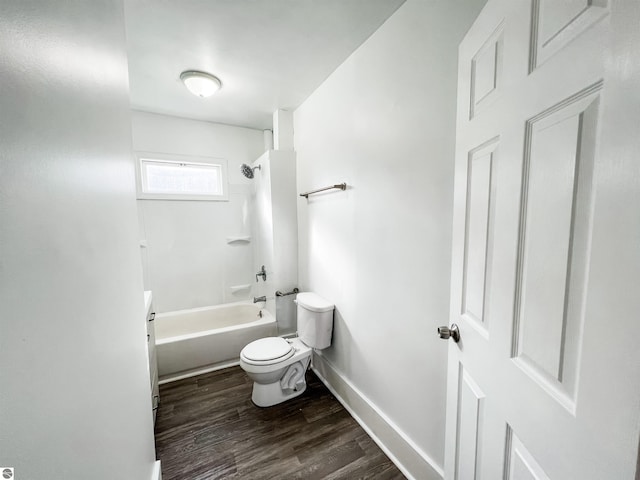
pixel 238 239
pixel 240 288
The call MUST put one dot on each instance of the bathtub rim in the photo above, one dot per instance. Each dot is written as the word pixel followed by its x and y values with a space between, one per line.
pixel 220 306
pixel 267 317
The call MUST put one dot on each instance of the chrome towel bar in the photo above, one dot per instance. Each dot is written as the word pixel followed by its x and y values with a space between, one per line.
pixel 292 292
pixel 339 186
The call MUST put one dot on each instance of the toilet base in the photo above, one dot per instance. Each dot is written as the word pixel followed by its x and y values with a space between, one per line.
pixel 267 395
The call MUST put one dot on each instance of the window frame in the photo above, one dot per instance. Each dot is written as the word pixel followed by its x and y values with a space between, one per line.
pixel 180 159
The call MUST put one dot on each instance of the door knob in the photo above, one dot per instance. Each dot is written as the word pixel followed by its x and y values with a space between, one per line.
pixel 450 332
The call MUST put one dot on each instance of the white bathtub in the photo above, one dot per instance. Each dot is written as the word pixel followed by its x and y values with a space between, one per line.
pixel 200 340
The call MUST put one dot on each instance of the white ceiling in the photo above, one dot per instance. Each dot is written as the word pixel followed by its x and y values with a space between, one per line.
pixel 269 54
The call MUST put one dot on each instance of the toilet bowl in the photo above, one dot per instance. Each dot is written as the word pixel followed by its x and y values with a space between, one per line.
pixel 267 373
pixel 277 366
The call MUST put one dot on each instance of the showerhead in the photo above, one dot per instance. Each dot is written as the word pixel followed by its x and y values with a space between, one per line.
pixel 247 171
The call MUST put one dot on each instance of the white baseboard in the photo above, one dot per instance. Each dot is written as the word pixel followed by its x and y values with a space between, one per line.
pixel 408 457
pixel 156 473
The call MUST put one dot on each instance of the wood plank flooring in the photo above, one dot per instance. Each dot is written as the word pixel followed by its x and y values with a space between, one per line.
pixel 208 428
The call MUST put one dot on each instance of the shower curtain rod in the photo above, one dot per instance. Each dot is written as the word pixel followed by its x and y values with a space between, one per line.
pixel 339 186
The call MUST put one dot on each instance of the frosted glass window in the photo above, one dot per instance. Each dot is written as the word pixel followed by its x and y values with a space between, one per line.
pixel 181 180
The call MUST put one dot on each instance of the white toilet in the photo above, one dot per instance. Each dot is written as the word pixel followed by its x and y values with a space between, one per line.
pixel 277 366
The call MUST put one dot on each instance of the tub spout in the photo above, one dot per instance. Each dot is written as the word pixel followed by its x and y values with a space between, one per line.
pixel 259 299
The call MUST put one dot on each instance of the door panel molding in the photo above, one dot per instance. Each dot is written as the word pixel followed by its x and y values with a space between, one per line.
pixel 486 72
pixel 556 196
pixel 554 24
pixel 519 464
pixel 478 233
pixel 470 423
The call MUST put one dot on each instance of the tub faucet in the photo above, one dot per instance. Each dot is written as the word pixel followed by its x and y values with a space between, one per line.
pixel 259 299
pixel 262 273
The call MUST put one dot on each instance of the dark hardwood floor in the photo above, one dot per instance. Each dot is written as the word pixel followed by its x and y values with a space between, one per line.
pixel 208 428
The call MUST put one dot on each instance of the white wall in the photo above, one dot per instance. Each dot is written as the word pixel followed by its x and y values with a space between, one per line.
pixel 276 233
pixel 188 262
pixel 74 381
pixel 262 229
pixel 384 122
pixel 285 235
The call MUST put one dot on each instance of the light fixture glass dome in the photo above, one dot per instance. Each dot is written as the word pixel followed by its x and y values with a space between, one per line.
pixel 201 84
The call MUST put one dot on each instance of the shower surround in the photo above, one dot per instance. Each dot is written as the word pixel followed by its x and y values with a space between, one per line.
pixel 187 260
pixel 203 256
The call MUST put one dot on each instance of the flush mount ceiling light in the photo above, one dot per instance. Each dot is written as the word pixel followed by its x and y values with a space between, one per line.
pixel 201 84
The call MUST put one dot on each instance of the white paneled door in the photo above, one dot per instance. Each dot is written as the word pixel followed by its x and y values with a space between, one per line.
pixel 543 383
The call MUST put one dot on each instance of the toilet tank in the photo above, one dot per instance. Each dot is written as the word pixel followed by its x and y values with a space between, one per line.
pixel 315 320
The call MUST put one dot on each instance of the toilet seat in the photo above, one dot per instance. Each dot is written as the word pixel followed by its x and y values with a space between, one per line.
pixel 267 351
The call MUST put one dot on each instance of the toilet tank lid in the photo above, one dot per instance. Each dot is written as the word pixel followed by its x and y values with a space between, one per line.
pixel 314 302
